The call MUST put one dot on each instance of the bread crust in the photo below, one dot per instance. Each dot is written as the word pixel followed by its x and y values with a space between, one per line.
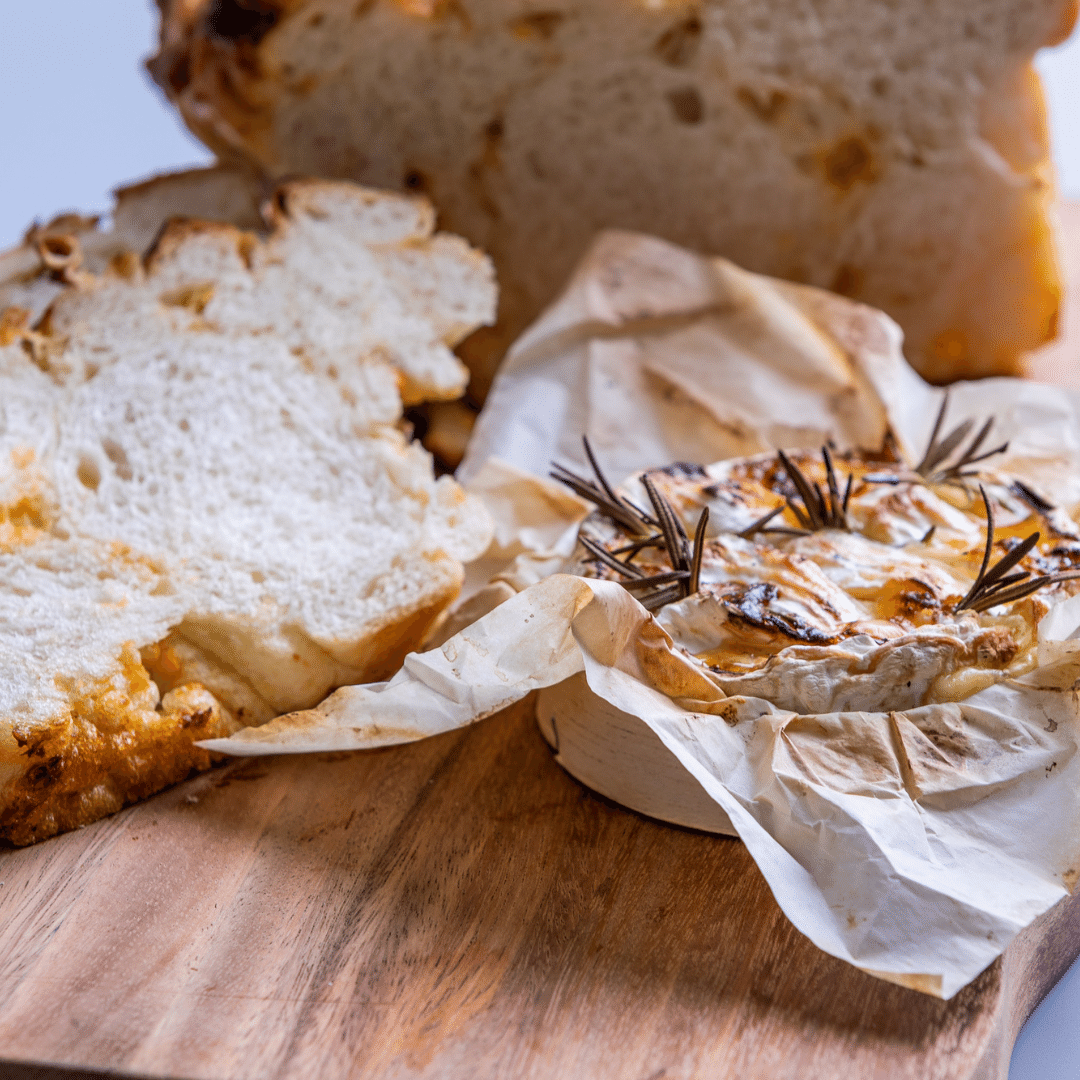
pixel 108 749
pixel 105 752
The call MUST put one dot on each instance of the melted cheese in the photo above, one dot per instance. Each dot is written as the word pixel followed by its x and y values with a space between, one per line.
pixel 834 619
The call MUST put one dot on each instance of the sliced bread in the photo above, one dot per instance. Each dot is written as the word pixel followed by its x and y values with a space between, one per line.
pixel 209 513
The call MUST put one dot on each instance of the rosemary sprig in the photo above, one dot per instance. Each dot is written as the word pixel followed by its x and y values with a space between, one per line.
pixel 627 570
pixel 660 597
pixel 655 590
pixel 762 525
pixel 1031 497
pixel 684 557
pixel 935 467
pixel 820 509
pixel 699 550
pixel 666 578
pixel 630 550
pixel 617 507
pixel 759 526
pixel 675 538
pixel 652 591
pixel 994 584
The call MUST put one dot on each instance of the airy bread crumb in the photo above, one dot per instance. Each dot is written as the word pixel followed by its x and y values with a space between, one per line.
pixel 208 511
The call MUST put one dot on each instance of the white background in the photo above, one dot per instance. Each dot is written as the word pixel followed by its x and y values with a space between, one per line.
pixel 80 115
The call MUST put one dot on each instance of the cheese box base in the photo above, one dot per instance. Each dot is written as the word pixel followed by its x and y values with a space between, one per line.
pixel 618 756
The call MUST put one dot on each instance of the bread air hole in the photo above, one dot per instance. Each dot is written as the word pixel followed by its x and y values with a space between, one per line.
pixel 115 453
pixel 679 44
pixel 687 105
pixel 194 296
pixel 766 105
pixel 60 253
pixel 415 180
pixel 59 247
pixel 847 161
pixel 88 472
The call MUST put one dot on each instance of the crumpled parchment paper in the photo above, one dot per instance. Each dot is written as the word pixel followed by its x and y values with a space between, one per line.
pixel 914 844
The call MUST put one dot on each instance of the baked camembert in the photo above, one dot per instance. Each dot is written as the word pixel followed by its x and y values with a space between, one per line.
pixel 830 582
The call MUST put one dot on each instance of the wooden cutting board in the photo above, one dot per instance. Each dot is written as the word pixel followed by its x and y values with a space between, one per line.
pixel 454 908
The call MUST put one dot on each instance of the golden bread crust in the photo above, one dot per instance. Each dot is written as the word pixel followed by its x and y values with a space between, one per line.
pixel 109 750
pixel 112 747
pixel 162 583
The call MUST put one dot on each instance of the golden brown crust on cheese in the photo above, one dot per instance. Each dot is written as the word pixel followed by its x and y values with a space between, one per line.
pixel 900 567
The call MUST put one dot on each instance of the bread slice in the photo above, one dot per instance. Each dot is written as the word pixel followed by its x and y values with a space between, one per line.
pixel 894 152
pixel 209 514
pixel 232 196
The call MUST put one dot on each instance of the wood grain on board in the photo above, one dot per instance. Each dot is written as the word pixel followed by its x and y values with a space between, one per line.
pixel 455 908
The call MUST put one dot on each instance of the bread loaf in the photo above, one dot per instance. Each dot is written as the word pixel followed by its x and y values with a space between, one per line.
pixel 208 512
pixel 894 151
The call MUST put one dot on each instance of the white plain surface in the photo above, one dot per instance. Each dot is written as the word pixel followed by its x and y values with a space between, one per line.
pixel 81 116
pixel 1060 71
